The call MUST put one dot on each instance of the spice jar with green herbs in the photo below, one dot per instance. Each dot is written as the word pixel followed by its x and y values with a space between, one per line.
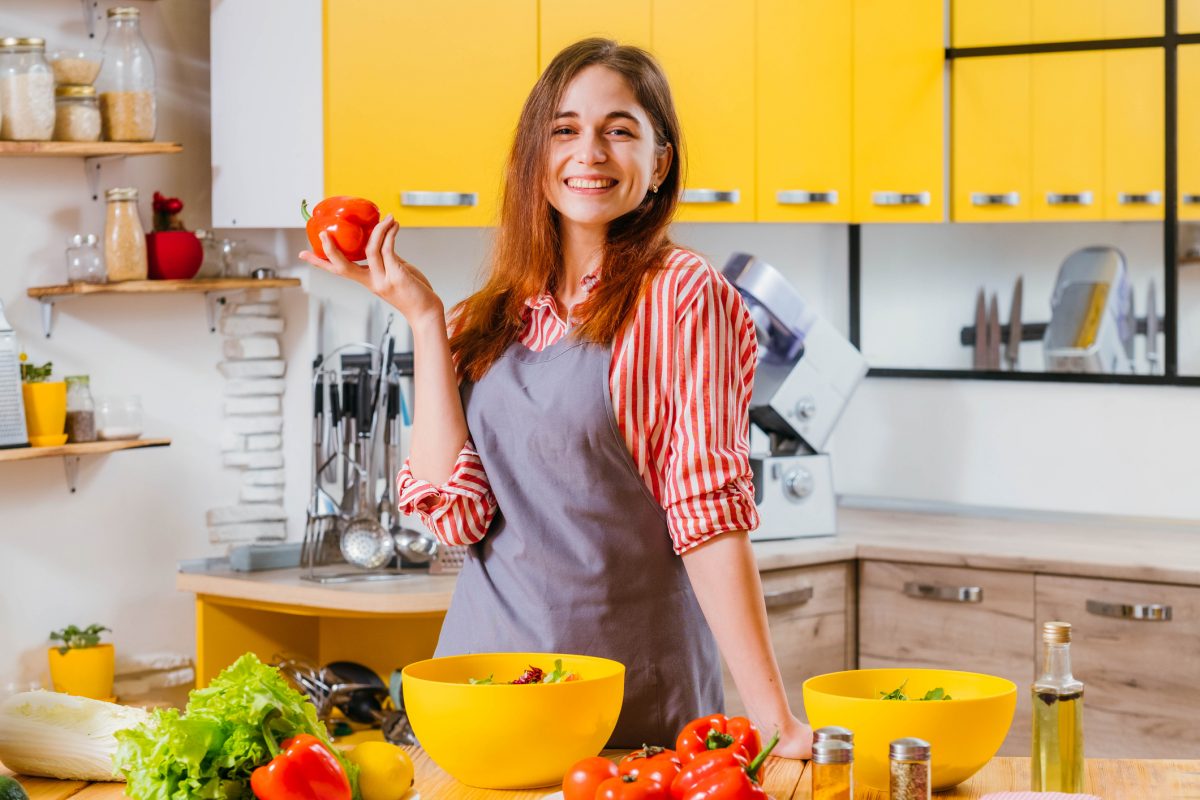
pixel 910 769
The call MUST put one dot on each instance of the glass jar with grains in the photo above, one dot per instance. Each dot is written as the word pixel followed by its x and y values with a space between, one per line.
pixel 76 114
pixel 26 91
pixel 81 410
pixel 124 237
pixel 126 82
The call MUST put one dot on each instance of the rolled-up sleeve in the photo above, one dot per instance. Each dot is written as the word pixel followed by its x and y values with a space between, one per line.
pixel 459 511
pixel 709 486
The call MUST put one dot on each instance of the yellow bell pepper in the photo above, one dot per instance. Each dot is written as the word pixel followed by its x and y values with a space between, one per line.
pixel 385 772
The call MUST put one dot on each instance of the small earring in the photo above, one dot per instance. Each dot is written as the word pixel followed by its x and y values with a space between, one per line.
pixel 654 188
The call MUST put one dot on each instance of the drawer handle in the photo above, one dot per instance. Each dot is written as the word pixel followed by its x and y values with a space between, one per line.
pixel 1146 612
pixel 797 197
pixel 791 597
pixel 953 594
pixel 439 198
pixel 709 196
pixel 1191 199
pixel 1069 198
pixel 901 198
pixel 1139 198
pixel 1001 199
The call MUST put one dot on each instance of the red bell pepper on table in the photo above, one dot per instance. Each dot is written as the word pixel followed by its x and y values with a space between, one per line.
pixel 722 774
pixel 304 770
pixel 348 220
pixel 718 732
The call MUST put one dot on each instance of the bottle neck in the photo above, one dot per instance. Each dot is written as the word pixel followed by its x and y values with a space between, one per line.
pixel 1056 664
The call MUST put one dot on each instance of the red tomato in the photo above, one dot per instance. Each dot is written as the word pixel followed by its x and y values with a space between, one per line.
pixel 627 787
pixel 586 776
pixel 655 763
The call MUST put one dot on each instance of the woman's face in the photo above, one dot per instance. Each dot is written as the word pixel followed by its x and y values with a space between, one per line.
pixel 603 158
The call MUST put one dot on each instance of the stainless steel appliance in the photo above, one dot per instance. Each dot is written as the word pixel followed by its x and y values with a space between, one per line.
pixel 1092 323
pixel 807 372
pixel 12 406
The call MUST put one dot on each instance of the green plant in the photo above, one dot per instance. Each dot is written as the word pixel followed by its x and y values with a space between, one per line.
pixel 72 636
pixel 31 373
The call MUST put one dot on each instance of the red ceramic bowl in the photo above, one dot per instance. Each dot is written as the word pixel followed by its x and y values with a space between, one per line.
pixel 173 255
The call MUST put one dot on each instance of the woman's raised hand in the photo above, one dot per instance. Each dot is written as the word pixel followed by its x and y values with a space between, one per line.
pixel 386 275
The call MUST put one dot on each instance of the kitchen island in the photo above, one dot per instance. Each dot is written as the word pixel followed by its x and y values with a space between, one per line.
pixel 1112 779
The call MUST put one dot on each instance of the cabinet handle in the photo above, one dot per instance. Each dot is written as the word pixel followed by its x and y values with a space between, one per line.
pixel 798 197
pixel 791 597
pixel 953 594
pixel 1139 198
pixel 1001 199
pixel 1146 612
pixel 900 198
pixel 439 198
pixel 1069 198
pixel 711 196
pixel 1191 199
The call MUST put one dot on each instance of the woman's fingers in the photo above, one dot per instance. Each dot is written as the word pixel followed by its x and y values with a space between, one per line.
pixel 374 245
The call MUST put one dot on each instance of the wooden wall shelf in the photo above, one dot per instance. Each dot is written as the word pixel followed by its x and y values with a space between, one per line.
pixel 88 149
pixel 70 453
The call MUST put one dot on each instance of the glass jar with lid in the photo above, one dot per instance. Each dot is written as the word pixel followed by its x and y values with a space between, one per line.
pixel 81 410
pixel 76 114
pixel 26 90
pixel 126 82
pixel 119 417
pixel 84 264
pixel 124 237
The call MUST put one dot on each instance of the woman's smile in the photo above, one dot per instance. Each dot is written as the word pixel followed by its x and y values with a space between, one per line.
pixel 590 184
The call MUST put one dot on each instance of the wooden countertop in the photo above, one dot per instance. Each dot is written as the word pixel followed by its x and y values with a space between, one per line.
pixel 1113 779
pixel 1142 550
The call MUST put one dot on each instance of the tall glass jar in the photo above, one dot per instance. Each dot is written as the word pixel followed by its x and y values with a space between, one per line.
pixel 26 91
pixel 124 237
pixel 84 264
pixel 76 114
pixel 81 410
pixel 126 82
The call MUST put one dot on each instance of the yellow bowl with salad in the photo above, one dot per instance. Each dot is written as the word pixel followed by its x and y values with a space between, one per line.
pixel 965 718
pixel 491 732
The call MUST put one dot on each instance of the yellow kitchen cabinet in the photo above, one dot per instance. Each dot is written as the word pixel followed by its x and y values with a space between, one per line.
pixel 898 115
pixel 707 50
pixel 983 23
pixel 802 69
pixel 1188 18
pixel 420 112
pixel 1189 132
pixel 1068 137
pixel 562 22
pixel 1133 134
pixel 991 139
pixel 1079 20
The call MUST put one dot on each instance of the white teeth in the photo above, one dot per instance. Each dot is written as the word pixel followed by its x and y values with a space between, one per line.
pixel 578 183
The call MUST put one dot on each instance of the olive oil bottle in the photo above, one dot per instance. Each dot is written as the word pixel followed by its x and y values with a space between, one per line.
pixel 1057 764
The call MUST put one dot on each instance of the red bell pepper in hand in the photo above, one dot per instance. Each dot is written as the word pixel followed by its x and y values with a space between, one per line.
pixel 630 787
pixel 348 220
pixel 304 770
pixel 718 732
pixel 722 774
pixel 656 763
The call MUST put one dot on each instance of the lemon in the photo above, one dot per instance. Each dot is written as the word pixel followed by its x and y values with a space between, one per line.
pixel 385 772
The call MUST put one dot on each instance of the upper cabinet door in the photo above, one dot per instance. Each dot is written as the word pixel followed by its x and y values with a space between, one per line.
pixel 802 66
pixel 420 113
pixel 982 23
pixel 707 49
pixel 991 139
pixel 1189 16
pixel 1068 140
pixel 1133 134
pixel 1189 131
pixel 563 22
pixel 899 56
pixel 1078 20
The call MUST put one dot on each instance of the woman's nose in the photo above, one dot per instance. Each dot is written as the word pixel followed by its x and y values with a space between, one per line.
pixel 590 148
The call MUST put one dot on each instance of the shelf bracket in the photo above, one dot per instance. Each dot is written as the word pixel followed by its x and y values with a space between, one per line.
pixel 47 316
pixel 71 464
pixel 91 171
pixel 211 301
pixel 89 16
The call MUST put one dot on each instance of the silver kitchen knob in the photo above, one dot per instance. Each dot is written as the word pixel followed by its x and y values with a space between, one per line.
pixel 806 408
pixel 798 484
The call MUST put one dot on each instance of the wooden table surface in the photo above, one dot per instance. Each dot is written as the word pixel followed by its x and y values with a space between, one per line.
pixel 1111 779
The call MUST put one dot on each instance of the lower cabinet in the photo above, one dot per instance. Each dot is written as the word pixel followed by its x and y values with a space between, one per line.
pixel 811 612
pixel 1140 670
pixel 976 620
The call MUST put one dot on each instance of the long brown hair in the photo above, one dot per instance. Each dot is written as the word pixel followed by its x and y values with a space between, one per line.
pixel 527 256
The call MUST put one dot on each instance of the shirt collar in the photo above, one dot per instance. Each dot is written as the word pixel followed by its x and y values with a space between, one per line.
pixel 546 299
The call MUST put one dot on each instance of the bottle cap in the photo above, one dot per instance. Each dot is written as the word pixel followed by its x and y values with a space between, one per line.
pixel 123 193
pixel 74 90
pixel 16 41
pixel 833 733
pixel 909 749
pixel 124 12
pixel 832 751
pixel 1056 632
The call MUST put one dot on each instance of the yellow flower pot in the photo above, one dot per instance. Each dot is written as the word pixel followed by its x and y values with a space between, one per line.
pixel 45 412
pixel 83 671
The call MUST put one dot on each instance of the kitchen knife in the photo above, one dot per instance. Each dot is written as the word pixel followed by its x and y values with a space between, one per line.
pixel 1152 329
pixel 1012 350
pixel 993 334
pixel 979 358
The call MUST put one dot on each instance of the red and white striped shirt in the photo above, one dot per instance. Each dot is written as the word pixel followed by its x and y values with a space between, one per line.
pixel 681 377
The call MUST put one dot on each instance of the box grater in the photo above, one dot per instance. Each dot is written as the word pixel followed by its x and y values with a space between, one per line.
pixel 449 560
pixel 12 408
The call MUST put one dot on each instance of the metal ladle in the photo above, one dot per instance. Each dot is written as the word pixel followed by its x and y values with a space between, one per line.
pixel 364 541
pixel 413 546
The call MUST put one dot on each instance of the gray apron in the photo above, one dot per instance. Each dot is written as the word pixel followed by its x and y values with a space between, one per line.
pixel 578 558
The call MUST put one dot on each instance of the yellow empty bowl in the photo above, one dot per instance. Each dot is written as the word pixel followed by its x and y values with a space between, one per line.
pixel 963 732
pixel 501 736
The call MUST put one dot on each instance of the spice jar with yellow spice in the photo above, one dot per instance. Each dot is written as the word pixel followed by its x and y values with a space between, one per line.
pixel 832 770
pixel 124 237
pixel 126 82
